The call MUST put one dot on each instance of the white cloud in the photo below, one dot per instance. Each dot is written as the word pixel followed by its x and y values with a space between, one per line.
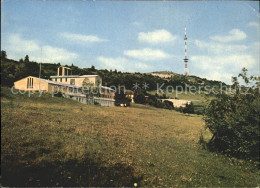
pixel 218 48
pixel 254 24
pixel 222 67
pixel 17 47
pixel 156 37
pixel 122 64
pixel 79 38
pixel 147 54
pixel 233 35
pixel 18 44
pixel 53 54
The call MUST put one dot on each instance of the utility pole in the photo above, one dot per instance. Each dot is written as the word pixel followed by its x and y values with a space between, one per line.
pixel 40 72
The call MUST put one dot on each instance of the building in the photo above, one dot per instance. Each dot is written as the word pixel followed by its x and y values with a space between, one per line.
pixel 161 75
pixel 62 71
pixel 130 95
pixel 177 103
pixel 71 86
pixel 31 83
pixel 64 75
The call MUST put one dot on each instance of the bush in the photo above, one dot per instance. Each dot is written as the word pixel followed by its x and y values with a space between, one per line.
pixel 59 94
pixel 139 98
pixel 120 98
pixel 168 105
pixel 189 108
pixel 233 119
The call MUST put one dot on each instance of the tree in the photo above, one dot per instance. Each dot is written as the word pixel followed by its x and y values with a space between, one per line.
pixel 93 68
pixel 26 59
pixel 189 108
pixel 3 55
pixel 120 98
pixel 233 119
pixel 139 98
pixel 168 105
pixel 89 89
pixel 7 74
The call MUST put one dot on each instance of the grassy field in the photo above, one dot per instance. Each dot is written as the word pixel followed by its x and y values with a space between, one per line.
pixel 59 142
pixel 199 100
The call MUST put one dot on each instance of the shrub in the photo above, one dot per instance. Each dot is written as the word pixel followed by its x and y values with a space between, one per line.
pixel 120 98
pixel 233 119
pixel 189 108
pixel 168 105
pixel 59 94
pixel 139 98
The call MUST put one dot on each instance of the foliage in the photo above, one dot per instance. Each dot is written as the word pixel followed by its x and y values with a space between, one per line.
pixel 233 119
pixel 90 89
pixel 59 94
pixel 139 97
pixel 189 108
pixel 120 98
pixel 3 54
pixel 168 105
pixel 14 70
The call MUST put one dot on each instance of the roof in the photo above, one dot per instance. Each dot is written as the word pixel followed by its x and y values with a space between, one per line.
pixel 74 76
pixel 108 88
pixel 55 83
pixel 63 84
pixel 64 67
pixel 58 83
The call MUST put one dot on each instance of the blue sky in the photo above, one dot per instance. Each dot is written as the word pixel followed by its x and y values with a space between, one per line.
pixel 223 37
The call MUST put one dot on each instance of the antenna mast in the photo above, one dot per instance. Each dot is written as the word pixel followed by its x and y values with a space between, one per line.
pixel 186 57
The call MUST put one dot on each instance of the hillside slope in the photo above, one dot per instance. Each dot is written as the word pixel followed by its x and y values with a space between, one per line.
pixel 13 70
pixel 58 142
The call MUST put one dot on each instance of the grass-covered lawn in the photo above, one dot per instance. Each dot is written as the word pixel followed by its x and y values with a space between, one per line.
pixel 199 100
pixel 59 142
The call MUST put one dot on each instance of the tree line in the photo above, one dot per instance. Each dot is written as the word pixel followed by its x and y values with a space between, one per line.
pixel 13 70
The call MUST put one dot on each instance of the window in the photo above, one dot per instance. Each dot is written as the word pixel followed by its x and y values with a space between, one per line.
pixel 66 79
pixel 55 79
pixel 60 79
pixel 72 81
pixel 29 82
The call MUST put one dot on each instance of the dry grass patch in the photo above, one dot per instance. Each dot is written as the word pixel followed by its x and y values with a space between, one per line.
pixel 59 142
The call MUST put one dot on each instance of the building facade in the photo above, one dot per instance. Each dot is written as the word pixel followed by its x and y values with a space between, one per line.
pixel 31 83
pixel 64 75
pixel 87 89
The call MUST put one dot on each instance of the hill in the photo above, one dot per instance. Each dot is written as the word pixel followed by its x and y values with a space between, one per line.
pixel 13 70
pixel 59 142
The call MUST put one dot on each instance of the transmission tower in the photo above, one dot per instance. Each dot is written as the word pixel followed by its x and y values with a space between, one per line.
pixel 186 57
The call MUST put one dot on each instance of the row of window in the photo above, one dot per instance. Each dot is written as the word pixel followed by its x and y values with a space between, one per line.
pixel 56 79
pixel 29 82
pixel 72 81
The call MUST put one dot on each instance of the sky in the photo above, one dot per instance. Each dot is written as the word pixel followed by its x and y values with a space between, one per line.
pixel 223 37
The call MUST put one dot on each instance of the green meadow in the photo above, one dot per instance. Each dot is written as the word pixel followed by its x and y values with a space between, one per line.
pixel 50 141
